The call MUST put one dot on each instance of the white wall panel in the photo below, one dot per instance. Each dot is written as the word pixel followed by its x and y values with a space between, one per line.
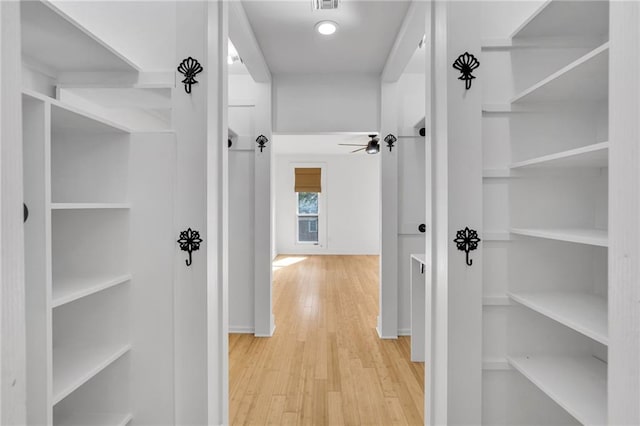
pixel 317 103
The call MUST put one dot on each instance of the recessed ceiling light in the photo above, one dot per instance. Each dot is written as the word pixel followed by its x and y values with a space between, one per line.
pixel 326 27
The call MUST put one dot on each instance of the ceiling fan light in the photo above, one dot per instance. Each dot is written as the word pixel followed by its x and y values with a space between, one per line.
pixel 373 147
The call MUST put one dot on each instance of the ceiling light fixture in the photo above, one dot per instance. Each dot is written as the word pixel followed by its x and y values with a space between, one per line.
pixel 326 27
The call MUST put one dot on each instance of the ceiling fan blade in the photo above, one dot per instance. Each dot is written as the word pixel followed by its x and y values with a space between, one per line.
pixel 352 144
pixel 361 149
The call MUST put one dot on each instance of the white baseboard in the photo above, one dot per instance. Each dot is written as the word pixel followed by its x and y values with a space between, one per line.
pixel 404 332
pixel 385 337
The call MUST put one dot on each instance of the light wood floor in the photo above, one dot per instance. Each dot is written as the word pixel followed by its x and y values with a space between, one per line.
pixel 325 364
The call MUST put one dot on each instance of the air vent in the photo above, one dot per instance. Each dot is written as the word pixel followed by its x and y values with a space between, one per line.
pixel 325 4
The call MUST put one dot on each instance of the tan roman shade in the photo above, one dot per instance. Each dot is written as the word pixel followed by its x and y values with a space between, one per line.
pixel 308 179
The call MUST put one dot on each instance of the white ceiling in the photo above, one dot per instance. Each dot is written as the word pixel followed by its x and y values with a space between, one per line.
pixel 318 144
pixel 290 44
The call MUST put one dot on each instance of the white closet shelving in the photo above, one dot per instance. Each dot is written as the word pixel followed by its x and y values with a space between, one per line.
pixel 583 312
pixel 577 384
pixel 99 215
pixel 545 121
pixel 87 251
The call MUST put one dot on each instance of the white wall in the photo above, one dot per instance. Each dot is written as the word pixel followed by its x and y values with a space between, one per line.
pixel 352 197
pixel 317 103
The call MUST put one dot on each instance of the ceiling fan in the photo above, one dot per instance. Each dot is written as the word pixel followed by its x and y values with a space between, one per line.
pixel 372 147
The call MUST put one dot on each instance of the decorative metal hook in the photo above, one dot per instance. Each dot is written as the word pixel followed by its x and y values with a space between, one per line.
pixel 467 240
pixel 390 140
pixel 262 142
pixel 189 241
pixel 466 63
pixel 189 68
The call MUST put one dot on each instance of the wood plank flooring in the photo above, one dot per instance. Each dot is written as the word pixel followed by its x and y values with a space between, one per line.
pixel 325 364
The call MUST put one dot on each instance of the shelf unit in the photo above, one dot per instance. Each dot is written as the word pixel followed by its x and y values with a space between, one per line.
pixel 585 79
pixel 76 368
pixel 98 240
pixel 72 290
pixel 74 158
pixel 595 237
pixel 549 112
pixel 595 155
pixel 577 384
pixel 583 312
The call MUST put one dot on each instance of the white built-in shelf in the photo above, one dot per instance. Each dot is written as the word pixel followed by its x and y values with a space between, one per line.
pixel 594 237
pixel 70 290
pixel 94 419
pixel 67 117
pixel 583 312
pixel 560 19
pixel 90 206
pixel 496 108
pixel 585 79
pixel 51 39
pixel 596 155
pixel 577 384
pixel 140 108
pixel 73 367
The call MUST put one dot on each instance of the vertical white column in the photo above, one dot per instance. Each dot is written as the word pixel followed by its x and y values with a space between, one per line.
pixel 264 321
pixel 457 203
pixel 199 120
pixel 218 214
pixel 624 214
pixel 12 296
pixel 388 315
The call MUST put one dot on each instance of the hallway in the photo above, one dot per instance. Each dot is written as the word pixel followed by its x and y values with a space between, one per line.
pixel 325 364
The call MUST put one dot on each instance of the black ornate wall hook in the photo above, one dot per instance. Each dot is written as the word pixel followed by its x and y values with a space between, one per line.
pixel 390 140
pixel 189 241
pixel 466 63
pixel 189 68
pixel 467 240
pixel 262 142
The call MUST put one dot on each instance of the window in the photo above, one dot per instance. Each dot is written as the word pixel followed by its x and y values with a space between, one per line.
pixel 307 217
